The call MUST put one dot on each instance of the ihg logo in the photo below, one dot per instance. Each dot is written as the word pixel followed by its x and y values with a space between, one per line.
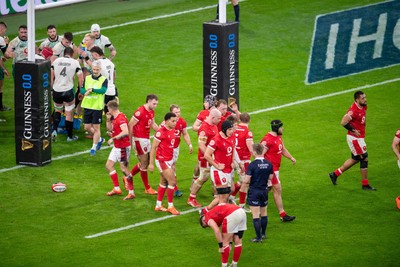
pixel 353 41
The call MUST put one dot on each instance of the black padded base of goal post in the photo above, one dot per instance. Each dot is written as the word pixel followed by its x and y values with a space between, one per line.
pixel 221 60
pixel 32 101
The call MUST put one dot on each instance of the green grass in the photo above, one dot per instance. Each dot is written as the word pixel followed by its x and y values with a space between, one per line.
pixel 335 226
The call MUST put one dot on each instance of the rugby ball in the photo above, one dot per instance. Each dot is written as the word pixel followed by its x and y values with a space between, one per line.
pixel 59 187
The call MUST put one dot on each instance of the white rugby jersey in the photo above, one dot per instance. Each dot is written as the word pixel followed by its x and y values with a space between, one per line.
pixel 50 43
pixel 20 48
pixel 107 70
pixel 64 69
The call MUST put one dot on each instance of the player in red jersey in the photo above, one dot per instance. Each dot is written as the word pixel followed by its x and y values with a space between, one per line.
pixel 275 149
pixel 163 150
pixel 235 122
pixel 220 154
pixel 354 121
pixel 207 131
pixel 180 130
pixel 117 124
pixel 396 146
pixel 244 147
pixel 208 104
pixel 139 125
pixel 233 222
pixel 222 106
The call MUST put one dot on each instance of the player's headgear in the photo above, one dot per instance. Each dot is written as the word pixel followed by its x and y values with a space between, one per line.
pixel 95 28
pixel 210 99
pixel 275 125
pixel 225 126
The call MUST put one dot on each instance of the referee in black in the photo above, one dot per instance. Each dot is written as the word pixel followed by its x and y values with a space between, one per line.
pixel 257 176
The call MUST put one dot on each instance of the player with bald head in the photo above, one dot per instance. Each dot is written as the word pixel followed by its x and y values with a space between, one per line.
pixel 207 131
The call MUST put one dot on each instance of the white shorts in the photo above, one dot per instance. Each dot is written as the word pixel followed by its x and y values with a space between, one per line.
pixel 120 154
pixel 235 222
pixel 357 145
pixel 142 146
pixel 275 179
pixel 163 165
pixel 176 154
pixel 220 178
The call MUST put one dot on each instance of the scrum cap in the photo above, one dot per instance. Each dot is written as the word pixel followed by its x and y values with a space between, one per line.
pixel 95 28
pixel 275 125
pixel 210 99
pixel 225 126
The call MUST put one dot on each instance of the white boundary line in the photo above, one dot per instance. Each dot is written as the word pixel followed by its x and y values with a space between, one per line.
pixel 139 224
pixel 251 113
pixel 324 96
pixel 254 112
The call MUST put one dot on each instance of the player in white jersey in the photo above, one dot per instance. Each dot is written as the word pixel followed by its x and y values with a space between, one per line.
pixel 84 51
pixel 66 41
pixel 18 47
pixel 63 71
pixel 102 41
pixel 52 38
pixel 107 70
pixel 3 69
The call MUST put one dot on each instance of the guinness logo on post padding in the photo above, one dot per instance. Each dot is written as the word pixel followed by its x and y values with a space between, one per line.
pixel 26 145
pixel 45 144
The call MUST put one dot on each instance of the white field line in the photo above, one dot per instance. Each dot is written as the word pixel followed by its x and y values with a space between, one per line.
pixel 139 224
pixel 112 27
pixel 251 113
pixel 324 96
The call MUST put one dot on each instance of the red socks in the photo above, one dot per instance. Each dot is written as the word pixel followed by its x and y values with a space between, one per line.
pixel 364 182
pixel 225 255
pixel 145 179
pixel 242 197
pixel 114 178
pixel 170 194
pixel 160 192
pixel 135 170
pixel 338 172
pixel 237 251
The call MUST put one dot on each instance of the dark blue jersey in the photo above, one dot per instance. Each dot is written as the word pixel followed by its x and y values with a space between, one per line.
pixel 259 170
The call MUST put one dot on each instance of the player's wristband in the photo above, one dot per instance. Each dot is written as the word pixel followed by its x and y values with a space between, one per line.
pixel 349 127
pixel 220 244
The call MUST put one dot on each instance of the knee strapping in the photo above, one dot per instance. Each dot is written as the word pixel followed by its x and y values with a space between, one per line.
pixel 364 161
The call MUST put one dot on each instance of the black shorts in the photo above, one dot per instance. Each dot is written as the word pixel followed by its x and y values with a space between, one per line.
pixel 61 97
pixel 77 100
pixel 108 98
pixel 92 116
pixel 257 197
